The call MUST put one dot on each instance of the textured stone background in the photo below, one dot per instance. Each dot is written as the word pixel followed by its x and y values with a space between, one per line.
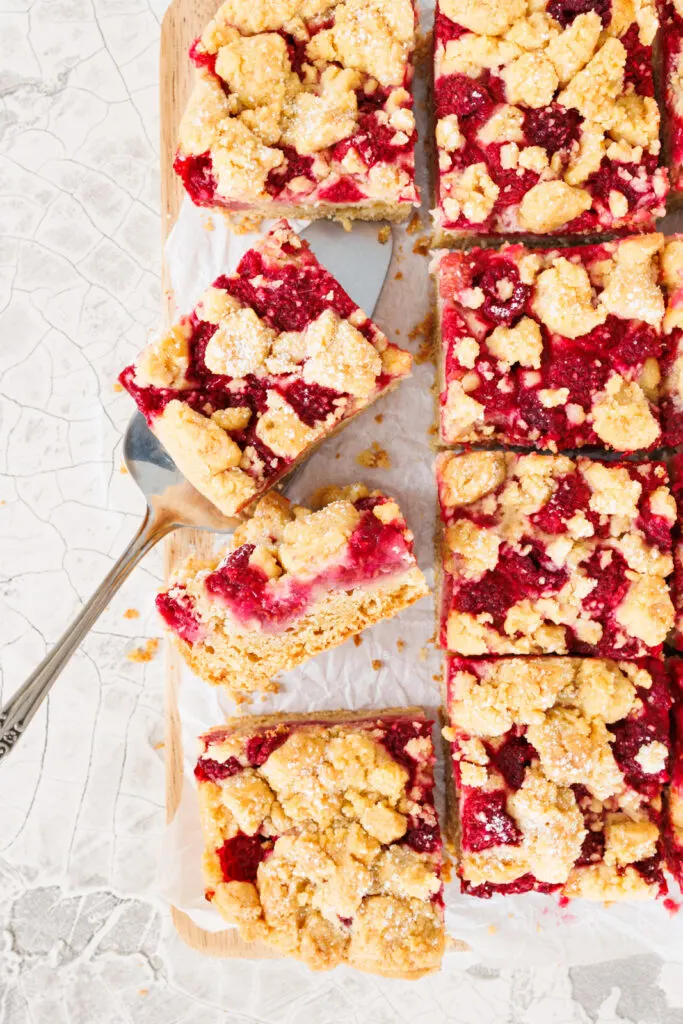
pixel 83 937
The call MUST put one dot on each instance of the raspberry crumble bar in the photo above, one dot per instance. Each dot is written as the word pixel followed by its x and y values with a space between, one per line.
pixel 558 766
pixel 272 360
pixel 321 837
pixel 302 108
pixel 671 14
pixel 674 792
pixel 546 121
pixel 562 348
pixel 542 554
pixel 291 584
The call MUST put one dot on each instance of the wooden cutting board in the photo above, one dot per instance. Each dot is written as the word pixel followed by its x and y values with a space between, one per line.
pixel 184 21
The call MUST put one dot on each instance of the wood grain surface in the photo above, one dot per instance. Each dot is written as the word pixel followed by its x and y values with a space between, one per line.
pixel 184 21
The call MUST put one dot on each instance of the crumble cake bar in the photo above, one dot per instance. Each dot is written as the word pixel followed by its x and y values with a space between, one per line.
pixel 671 44
pixel 546 121
pixel 291 584
pixel 302 108
pixel 562 348
pixel 558 766
pixel 321 837
pixel 273 358
pixel 674 791
pixel 542 554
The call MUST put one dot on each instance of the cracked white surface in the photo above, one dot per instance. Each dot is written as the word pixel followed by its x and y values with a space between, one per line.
pixel 83 937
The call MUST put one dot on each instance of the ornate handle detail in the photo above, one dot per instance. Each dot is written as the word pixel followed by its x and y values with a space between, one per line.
pixel 22 706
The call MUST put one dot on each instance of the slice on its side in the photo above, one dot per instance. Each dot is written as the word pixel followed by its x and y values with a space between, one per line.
pixel 292 583
pixel 321 837
pixel 273 359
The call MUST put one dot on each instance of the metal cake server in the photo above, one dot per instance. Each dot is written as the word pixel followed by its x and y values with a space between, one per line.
pixel 360 264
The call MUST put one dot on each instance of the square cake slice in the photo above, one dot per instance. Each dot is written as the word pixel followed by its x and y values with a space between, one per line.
pixel 562 348
pixel 542 554
pixel 291 584
pixel 321 837
pixel 546 121
pixel 558 766
pixel 674 791
pixel 671 16
pixel 273 359
pixel 303 110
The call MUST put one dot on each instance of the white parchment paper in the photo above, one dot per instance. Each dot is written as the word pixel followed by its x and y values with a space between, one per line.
pixel 510 931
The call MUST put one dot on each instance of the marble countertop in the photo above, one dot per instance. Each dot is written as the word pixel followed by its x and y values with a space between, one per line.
pixel 84 939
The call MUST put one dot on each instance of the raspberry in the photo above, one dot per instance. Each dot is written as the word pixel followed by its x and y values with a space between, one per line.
pixel 553 128
pixel 565 11
pixel 208 770
pixel 458 94
pixel 240 857
pixel 486 823
pixel 504 294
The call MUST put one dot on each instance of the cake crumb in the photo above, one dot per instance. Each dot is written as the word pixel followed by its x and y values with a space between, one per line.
pixel 400 645
pixel 143 991
pixel 358 639
pixel 131 613
pixel 433 430
pixel 377 664
pixel 413 225
pixel 118 386
pixel 493 928
pixel 145 653
pixel 424 329
pixel 123 471
pixel 374 457
pixel 158 746
pixel 209 224
pixel 379 417
pixel 422 654
pixel 398 276
pixel 421 247
pixel 384 234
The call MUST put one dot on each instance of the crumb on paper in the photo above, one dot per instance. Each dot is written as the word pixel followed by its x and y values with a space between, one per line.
pixel 158 746
pixel 346 223
pixel 123 471
pixel 118 386
pixel 421 247
pixel 143 991
pixel 493 928
pixel 147 652
pixel 436 677
pixel 377 664
pixel 379 417
pixel 400 645
pixel 131 613
pixel 338 455
pixel 398 276
pixel 424 330
pixel 447 869
pixel 413 225
pixel 384 234
pixel 433 430
pixel 422 654
pixel 209 224
pixel 358 640
pixel 374 457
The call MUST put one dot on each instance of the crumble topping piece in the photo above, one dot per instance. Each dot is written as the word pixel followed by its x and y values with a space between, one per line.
pixel 562 348
pixel 553 110
pixel 303 108
pixel 542 554
pixel 273 358
pixel 321 837
pixel 557 787
pixel 292 582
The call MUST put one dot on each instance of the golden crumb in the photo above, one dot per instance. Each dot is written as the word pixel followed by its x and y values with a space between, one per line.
pixel 398 276
pixel 447 869
pixel 358 639
pixel 422 654
pixel 379 417
pixel 433 430
pixel 374 457
pixel 131 613
pixel 118 386
pixel 158 746
pixel 413 224
pixel 123 471
pixel 493 928
pixel 384 234
pixel 423 329
pixel 209 224
pixel 436 677
pixel 377 664
pixel 145 653
pixel 400 645
pixel 421 247
pixel 143 991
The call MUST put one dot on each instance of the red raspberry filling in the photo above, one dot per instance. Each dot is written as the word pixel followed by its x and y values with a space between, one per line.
pixel 178 614
pixel 259 748
pixel 485 822
pixel 295 166
pixel 565 11
pixel 197 177
pixel 341 191
pixel 208 770
pixel 240 857
pixel 515 578
pixel 571 494
pixel 512 758
pixel 553 127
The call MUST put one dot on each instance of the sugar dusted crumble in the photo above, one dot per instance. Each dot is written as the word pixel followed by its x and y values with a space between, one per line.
pixel 321 838
pixel 561 348
pixel 555 791
pixel 271 360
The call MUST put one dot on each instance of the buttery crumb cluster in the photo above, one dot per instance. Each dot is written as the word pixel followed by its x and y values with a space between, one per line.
pixel 561 348
pixel 546 120
pixel 560 765
pixel 272 359
pixel 303 107
pixel 546 555
pixel 291 583
pixel 321 838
